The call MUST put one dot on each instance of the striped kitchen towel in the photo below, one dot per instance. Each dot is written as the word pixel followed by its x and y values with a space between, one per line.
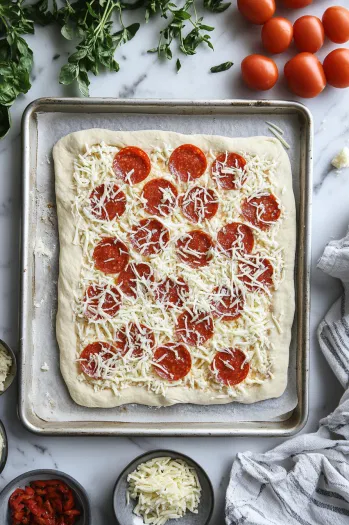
pixel 306 479
pixel 334 330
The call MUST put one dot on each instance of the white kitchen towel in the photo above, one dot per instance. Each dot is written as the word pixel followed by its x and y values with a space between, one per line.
pixel 306 479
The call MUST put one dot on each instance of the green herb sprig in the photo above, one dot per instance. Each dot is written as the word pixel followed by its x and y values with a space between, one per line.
pixel 175 31
pixel 97 27
pixel 16 58
pixel 93 25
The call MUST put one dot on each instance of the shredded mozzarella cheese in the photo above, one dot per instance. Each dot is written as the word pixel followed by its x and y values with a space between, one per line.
pixel 250 332
pixel 5 367
pixel 165 489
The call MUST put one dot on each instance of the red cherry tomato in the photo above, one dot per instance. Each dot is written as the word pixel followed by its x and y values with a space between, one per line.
pixel 336 24
pixel 259 72
pixel 277 34
pixel 257 11
pixel 305 75
pixel 296 4
pixel 308 34
pixel 336 67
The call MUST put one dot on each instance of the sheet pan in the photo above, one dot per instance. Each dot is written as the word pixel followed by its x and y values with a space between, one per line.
pixel 44 403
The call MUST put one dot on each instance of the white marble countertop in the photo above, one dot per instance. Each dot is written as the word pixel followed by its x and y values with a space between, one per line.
pixel 96 462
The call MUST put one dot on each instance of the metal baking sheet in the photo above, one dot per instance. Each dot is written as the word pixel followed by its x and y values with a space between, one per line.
pixel 44 403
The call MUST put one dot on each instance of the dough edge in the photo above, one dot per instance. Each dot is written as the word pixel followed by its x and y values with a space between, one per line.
pixel 70 259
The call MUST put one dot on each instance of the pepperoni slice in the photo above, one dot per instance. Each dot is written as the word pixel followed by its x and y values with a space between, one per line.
pixel 134 339
pixel 172 293
pixel 187 162
pixel 110 255
pixel 195 248
pixel 257 274
pixel 199 204
pixel 172 361
pixel 101 302
pixel 107 201
pixel 227 303
pixel 132 165
pixel 194 328
pixel 261 211
pixel 235 237
pixel 230 367
pixel 93 355
pixel 228 171
pixel 134 275
pixel 161 196
pixel 149 237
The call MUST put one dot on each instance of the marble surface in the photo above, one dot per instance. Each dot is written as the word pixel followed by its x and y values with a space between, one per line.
pixel 96 462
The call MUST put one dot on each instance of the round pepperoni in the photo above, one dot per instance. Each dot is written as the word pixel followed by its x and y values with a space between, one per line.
pixel 230 367
pixel 228 170
pixel 135 340
pixel 107 201
pixel 195 248
pixel 101 302
pixel 261 211
pixel 172 293
pixel 134 275
pixel 194 328
pixel 257 274
pixel 235 237
pixel 149 237
pixel 161 196
pixel 187 162
pixel 110 255
pixel 199 204
pixel 132 165
pixel 227 303
pixel 94 355
pixel 172 361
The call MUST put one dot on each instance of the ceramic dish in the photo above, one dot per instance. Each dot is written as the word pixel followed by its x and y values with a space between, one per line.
pixel 13 370
pixel 124 513
pixel 4 450
pixel 81 498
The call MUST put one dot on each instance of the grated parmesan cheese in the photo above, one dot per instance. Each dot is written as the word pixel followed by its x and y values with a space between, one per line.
pixel 341 160
pixel 250 332
pixel 164 489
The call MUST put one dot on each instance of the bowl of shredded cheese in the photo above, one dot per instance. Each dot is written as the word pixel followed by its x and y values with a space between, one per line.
pixel 3 447
pixel 8 366
pixel 163 487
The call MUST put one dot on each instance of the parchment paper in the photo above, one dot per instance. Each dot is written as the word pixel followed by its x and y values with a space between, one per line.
pixel 50 399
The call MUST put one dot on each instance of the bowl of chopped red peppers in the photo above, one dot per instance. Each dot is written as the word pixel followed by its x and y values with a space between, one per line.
pixel 44 497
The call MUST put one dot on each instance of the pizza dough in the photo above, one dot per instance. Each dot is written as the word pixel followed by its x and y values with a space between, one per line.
pixel 268 360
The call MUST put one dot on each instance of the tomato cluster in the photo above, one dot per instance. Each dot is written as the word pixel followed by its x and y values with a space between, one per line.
pixel 304 73
pixel 48 502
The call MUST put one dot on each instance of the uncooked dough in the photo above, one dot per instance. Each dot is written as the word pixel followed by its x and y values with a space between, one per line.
pixel 71 261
